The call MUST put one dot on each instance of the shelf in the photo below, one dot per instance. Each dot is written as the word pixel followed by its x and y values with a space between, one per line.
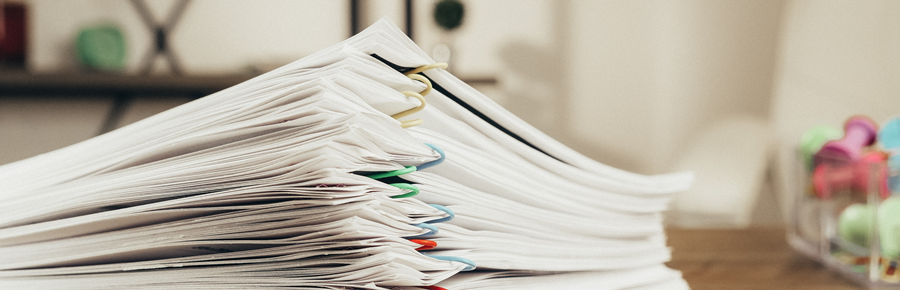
pixel 24 84
pixel 55 85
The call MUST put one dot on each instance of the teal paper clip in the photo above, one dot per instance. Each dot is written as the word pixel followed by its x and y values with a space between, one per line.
pixel 442 208
pixel 414 190
pixel 435 162
pixel 433 230
pixel 469 264
pixel 380 175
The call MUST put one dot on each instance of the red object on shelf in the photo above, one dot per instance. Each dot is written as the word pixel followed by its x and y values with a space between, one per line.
pixel 12 33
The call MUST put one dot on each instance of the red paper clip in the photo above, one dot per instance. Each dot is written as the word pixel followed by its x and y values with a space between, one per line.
pixel 426 244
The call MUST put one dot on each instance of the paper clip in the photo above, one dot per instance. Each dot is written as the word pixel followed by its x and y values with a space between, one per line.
pixel 432 230
pixel 411 123
pixel 414 190
pixel 425 244
pixel 420 95
pixel 442 208
pixel 441 65
pixel 425 81
pixel 380 175
pixel 435 162
pixel 469 264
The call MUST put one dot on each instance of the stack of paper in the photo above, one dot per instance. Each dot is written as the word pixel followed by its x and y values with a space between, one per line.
pixel 301 178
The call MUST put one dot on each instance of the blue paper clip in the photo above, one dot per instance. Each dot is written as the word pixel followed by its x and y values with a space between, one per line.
pixel 442 208
pixel 469 264
pixel 432 230
pixel 435 162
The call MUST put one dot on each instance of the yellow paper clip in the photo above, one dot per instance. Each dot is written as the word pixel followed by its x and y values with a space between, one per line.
pixel 421 95
pixel 425 81
pixel 442 65
pixel 410 123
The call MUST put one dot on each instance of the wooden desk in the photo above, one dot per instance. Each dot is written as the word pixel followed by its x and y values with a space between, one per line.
pixel 757 258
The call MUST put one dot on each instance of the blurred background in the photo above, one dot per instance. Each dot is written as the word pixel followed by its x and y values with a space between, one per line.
pixel 721 88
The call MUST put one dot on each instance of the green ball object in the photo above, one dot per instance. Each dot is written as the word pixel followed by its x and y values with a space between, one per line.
pixel 854 223
pixel 449 14
pixel 889 227
pixel 101 48
pixel 813 140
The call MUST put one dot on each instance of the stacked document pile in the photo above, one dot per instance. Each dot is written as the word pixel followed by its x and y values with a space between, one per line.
pixel 363 166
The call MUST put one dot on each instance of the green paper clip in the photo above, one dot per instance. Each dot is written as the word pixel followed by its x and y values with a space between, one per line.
pixel 380 175
pixel 414 192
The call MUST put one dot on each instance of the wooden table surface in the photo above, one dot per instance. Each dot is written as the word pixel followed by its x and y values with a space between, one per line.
pixel 756 258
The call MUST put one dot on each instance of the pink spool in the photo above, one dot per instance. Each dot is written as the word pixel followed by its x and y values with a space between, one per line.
pixel 859 132
pixel 832 177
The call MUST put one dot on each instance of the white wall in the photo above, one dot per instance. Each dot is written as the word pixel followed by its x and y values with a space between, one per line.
pixel 837 59
pixel 212 37
pixel 645 76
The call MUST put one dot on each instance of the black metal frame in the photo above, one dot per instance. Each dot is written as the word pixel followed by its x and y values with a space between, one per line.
pixel 355 16
pixel 160 32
